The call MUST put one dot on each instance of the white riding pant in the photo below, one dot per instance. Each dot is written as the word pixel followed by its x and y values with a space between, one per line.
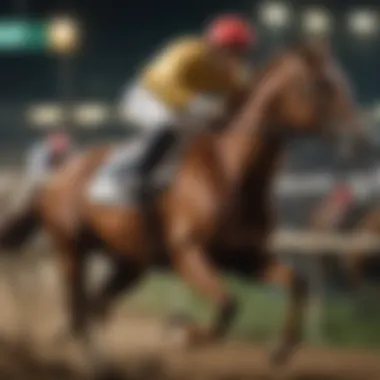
pixel 140 107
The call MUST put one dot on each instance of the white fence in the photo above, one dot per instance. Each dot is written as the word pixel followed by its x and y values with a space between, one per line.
pixel 316 246
pixel 316 243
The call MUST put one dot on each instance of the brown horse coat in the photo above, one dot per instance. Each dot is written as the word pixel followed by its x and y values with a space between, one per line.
pixel 219 198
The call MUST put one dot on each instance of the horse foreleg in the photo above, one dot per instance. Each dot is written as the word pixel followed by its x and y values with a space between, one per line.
pixel 123 277
pixel 277 273
pixel 193 266
pixel 72 268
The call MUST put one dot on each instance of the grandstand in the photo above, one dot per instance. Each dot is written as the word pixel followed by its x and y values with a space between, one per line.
pixel 74 79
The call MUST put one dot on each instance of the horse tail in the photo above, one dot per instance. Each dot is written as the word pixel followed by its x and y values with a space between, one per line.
pixel 16 229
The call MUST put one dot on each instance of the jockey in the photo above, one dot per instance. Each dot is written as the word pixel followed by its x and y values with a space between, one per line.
pixel 186 87
pixel 42 159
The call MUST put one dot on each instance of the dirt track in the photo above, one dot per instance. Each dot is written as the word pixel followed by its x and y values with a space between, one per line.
pixel 139 345
pixel 137 351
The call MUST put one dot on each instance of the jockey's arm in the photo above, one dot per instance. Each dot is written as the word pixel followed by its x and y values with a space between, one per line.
pixel 183 78
pixel 224 103
pixel 171 77
pixel 179 78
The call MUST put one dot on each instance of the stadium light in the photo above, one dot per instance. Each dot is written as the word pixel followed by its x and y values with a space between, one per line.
pixel 64 34
pixel 91 115
pixel 363 22
pixel 317 21
pixel 275 15
pixel 45 115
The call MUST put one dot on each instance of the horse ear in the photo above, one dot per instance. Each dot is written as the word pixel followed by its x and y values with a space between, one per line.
pixel 317 51
pixel 320 48
pixel 323 48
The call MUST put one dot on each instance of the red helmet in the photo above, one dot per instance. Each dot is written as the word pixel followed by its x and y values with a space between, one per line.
pixel 230 31
pixel 59 141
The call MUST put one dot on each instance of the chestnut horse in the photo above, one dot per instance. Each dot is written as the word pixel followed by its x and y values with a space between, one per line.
pixel 218 202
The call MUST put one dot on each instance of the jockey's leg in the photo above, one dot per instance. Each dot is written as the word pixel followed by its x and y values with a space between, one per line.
pixel 280 274
pixel 158 125
pixel 194 267
pixel 157 145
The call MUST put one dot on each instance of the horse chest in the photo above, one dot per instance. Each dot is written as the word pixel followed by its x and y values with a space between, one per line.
pixel 248 221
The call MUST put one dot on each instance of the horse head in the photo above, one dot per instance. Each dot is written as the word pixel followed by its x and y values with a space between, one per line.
pixel 304 90
pixel 320 99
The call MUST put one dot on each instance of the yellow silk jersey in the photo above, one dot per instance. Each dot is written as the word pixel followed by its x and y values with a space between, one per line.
pixel 185 69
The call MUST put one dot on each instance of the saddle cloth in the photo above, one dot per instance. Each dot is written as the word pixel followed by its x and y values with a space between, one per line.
pixel 116 182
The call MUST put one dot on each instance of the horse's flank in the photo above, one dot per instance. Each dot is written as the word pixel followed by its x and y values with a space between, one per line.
pixel 62 196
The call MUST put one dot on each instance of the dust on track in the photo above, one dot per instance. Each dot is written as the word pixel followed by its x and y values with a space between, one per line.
pixel 31 313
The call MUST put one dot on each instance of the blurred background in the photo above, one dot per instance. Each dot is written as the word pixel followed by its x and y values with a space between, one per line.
pixel 65 64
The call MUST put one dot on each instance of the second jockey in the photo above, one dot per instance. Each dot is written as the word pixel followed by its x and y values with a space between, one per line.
pixel 47 155
pixel 185 88
pixel 41 161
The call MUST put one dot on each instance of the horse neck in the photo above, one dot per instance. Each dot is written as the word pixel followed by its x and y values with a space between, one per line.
pixel 248 144
pixel 249 153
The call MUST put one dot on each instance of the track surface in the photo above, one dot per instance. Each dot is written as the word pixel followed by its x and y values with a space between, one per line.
pixel 32 314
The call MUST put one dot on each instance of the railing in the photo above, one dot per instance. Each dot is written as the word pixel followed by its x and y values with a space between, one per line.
pixel 316 243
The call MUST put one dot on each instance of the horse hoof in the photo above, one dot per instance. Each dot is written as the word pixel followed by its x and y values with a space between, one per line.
pixel 179 320
pixel 281 354
pixel 278 357
pixel 198 336
pixel 66 337
pixel 107 372
pixel 185 334
pixel 176 328
pixel 62 336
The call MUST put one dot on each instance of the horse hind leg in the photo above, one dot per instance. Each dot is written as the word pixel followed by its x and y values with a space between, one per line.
pixel 123 277
pixel 16 229
pixel 280 274
pixel 72 266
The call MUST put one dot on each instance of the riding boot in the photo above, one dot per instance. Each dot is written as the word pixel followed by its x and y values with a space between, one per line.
pixel 159 144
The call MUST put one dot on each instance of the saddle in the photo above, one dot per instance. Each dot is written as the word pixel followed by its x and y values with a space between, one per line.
pixel 117 181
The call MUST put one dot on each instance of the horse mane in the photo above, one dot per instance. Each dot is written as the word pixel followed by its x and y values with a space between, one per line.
pixel 314 54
